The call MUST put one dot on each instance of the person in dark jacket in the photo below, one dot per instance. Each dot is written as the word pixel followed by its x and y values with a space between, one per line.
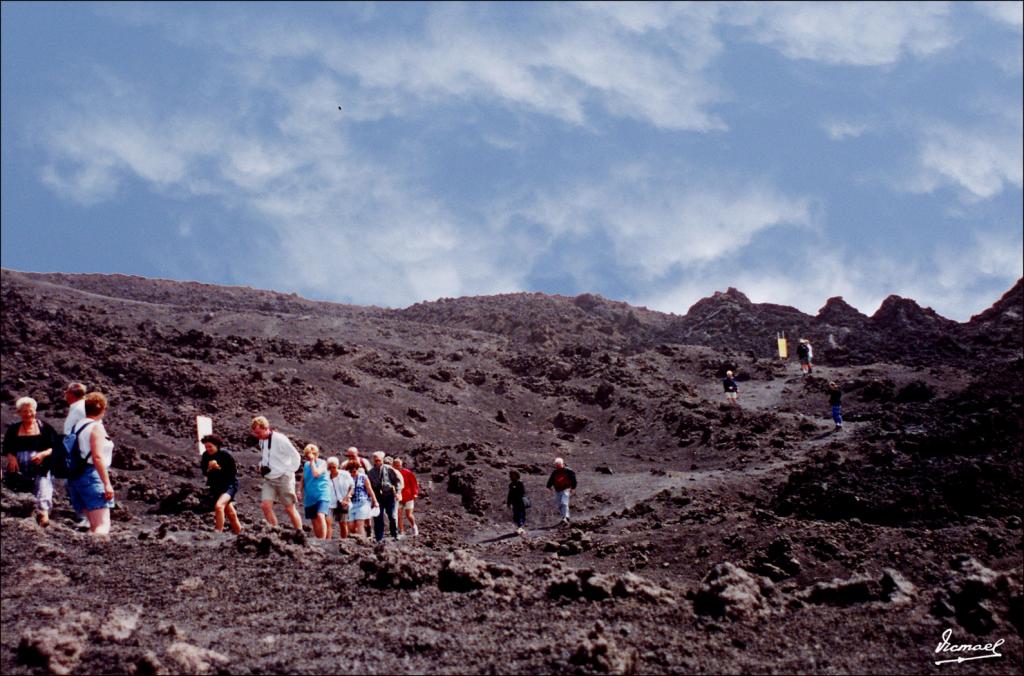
pixel 27 447
pixel 835 400
pixel 222 481
pixel 385 482
pixel 805 353
pixel 563 482
pixel 732 390
pixel 517 501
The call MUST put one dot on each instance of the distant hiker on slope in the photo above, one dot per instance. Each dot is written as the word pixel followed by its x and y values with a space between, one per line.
pixel 563 482
pixel 732 390
pixel 517 500
pixel 27 445
pixel 835 400
pixel 279 461
pixel 218 466
pixel 805 353
pixel 316 490
pixel 410 491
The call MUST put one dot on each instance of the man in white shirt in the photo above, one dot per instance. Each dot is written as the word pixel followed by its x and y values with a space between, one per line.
pixel 279 460
pixel 74 394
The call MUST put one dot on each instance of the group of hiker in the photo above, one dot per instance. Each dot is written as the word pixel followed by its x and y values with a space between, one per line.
pixel 357 494
pixel 29 445
pixel 805 353
pixel 349 494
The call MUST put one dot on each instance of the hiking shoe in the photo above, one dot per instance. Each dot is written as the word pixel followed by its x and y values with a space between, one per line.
pixel 565 520
pixel 520 530
pixel 401 536
pixel 415 530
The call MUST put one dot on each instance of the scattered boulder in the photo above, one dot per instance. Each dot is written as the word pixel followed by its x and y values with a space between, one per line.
pixel 388 568
pixel 195 660
pixel 600 653
pixel 463 572
pixel 731 592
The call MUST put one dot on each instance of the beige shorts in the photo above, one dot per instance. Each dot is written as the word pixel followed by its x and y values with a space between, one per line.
pixel 732 395
pixel 408 506
pixel 281 489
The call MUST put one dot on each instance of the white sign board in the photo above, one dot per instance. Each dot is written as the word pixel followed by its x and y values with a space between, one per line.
pixel 204 426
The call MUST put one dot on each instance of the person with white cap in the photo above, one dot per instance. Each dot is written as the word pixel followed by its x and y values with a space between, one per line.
pixel 563 482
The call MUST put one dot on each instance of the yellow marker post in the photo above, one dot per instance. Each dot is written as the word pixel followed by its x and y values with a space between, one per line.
pixel 783 352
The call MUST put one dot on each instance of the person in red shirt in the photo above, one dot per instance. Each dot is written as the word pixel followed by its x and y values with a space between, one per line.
pixel 410 489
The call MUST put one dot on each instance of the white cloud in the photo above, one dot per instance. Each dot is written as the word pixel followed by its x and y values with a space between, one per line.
pixel 840 130
pixel 849 33
pixel 1009 13
pixel 981 161
pixel 656 222
pixel 645 62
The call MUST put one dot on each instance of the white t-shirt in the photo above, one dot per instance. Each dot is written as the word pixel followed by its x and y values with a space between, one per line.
pixel 85 443
pixel 282 458
pixel 75 414
pixel 340 486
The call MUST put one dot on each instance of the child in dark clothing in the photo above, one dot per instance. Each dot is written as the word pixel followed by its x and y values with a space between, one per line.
pixel 517 500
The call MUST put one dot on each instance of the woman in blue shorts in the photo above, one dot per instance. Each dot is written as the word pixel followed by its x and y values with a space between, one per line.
pixel 363 501
pixel 316 490
pixel 91 492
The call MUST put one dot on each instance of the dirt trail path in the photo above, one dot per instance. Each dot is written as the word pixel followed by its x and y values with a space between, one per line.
pixel 624 490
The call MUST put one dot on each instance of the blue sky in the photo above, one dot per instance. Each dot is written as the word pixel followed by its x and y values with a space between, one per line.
pixel 652 153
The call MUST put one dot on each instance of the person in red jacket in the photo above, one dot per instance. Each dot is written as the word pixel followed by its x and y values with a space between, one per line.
pixel 410 490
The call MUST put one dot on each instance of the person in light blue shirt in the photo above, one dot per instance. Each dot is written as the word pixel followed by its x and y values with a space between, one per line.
pixel 316 490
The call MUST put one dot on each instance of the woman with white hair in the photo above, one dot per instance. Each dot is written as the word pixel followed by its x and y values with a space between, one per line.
pixel 342 486
pixel 27 447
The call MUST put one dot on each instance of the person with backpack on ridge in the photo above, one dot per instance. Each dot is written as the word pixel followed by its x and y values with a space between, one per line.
pixel 563 482
pixel 91 491
pixel 218 466
pixel 804 354
pixel 27 448
pixel 732 390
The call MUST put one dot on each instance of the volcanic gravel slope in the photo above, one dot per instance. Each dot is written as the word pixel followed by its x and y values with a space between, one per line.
pixel 704 538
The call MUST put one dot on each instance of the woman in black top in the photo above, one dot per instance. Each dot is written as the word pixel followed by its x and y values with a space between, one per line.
pixel 517 500
pixel 27 447
pixel 222 479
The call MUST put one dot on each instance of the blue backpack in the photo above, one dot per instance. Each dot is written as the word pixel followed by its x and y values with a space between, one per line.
pixel 66 461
